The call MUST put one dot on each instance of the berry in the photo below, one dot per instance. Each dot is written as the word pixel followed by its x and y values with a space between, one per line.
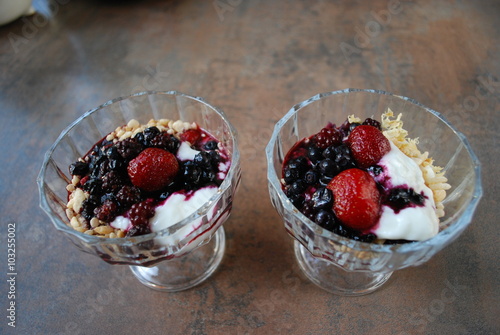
pixel 107 211
pixel 356 198
pixel 372 122
pixel 322 198
pixel 297 187
pixel 129 148
pixel 191 173
pixel 314 153
pixel 140 213
pixel 400 198
pixel 191 135
pixel 79 168
pixel 150 133
pixel 290 175
pixel 128 195
pixel 153 169
pixel 325 219
pixel 327 137
pixel 210 145
pixel 311 177
pixel 327 167
pixel 368 145
pixel 112 181
pixel 138 230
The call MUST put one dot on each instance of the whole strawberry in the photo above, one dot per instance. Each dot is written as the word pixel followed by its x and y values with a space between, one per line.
pixel 367 145
pixel 356 199
pixel 153 169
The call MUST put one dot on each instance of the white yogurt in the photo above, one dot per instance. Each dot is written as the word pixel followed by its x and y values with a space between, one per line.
pixel 185 152
pixel 416 223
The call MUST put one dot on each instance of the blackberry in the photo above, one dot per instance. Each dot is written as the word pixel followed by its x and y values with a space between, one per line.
pixel 210 145
pixel 372 122
pixel 129 148
pixel 140 213
pixel 79 168
pixel 327 137
pixel 138 230
pixel 314 153
pixel 107 211
pixel 87 210
pixel 112 181
pixel 322 198
pixel 128 195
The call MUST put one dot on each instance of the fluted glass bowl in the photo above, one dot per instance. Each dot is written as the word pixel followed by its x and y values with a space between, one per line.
pixel 172 259
pixel 344 266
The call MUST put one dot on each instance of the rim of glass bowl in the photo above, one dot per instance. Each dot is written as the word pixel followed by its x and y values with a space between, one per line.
pixel 463 221
pixel 91 239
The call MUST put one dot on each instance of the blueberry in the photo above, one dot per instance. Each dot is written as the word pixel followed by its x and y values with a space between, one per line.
pixel 297 200
pixel 290 175
pixel 202 159
pixel 322 198
pixel 325 219
pixel 375 169
pixel 314 153
pixel 297 187
pixel 150 133
pixel 353 125
pixel 79 168
pixel 311 177
pixel 210 145
pixel 329 152
pixel 327 167
pixel 300 164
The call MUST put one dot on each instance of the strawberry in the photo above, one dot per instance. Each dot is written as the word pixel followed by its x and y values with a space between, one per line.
pixel 153 169
pixel 356 198
pixel 367 145
pixel 191 136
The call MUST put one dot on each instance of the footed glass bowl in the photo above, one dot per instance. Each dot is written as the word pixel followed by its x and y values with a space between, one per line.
pixel 344 266
pixel 171 259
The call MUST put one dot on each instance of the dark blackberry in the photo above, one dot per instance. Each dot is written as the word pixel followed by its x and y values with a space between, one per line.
pixel 79 168
pixel 372 122
pixel 311 177
pixel 129 148
pixel 314 153
pixel 322 198
pixel 87 210
pixel 325 219
pixel 375 170
pixel 400 198
pixel 107 211
pixel 327 167
pixel 297 187
pixel 112 181
pixel 327 137
pixel 128 195
pixel 290 175
pixel 138 230
pixel 210 145
pixel 140 213
pixel 112 153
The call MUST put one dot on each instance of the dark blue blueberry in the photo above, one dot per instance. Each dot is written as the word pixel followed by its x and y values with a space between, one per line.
pixel 322 198
pixel 290 175
pixel 330 152
pixel 297 187
pixel 311 177
pixel 93 186
pixel 353 125
pixel 191 173
pixel 375 169
pixel 150 133
pixel 300 164
pixel 400 198
pixel 297 200
pixel 79 168
pixel 210 145
pixel 325 219
pixel 314 153
pixel 202 159
pixel 327 167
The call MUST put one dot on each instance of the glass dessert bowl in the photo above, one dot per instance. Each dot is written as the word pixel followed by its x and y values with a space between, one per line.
pixel 346 266
pixel 173 258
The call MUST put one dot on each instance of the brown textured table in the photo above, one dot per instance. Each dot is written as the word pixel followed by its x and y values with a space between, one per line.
pixel 253 59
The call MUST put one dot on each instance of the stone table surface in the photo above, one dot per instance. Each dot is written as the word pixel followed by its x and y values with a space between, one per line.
pixel 254 60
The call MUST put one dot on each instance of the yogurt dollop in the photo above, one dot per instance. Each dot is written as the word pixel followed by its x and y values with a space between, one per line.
pixel 414 223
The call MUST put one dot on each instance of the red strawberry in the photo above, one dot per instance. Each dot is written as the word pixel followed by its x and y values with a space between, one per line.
pixel 153 169
pixel 367 145
pixel 191 136
pixel 356 198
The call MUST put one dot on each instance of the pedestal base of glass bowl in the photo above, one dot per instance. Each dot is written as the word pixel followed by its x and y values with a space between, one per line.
pixel 334 279
pixel 187 271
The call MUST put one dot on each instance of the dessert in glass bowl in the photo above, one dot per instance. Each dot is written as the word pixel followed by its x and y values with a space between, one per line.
pixel 360 195
pixel 146 180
